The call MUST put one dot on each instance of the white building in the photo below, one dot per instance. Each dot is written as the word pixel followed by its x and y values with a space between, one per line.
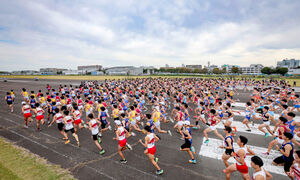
pixel 124 70
pixel 254 69
pixel 71 72
pixel 294 72
pixel 89 69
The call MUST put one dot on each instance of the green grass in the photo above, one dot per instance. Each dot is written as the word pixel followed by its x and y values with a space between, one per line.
pixel 18 163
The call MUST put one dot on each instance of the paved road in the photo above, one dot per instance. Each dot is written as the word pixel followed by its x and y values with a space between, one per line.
pixel 86 163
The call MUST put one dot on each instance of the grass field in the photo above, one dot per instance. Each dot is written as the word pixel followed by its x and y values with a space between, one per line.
pixel 17 163
pixel 87 77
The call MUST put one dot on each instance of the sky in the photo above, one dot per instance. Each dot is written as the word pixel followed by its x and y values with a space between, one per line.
pixel 68 33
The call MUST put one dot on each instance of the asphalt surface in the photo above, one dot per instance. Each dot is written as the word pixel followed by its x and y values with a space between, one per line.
pixel 85 162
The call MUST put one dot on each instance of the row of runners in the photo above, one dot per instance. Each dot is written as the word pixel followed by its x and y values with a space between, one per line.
pixel 127 101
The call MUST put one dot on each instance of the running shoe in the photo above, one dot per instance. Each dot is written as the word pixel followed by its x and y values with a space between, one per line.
pixel 142 123
pixel 193 150
pixel 159 172
pixel 266 153
pixel 109 127
pixel 102 152
pixel 266 135
pixel 206 141
pixel 195 116
pixel 192 161
pixel 169 132
pixel 129 146
pixel 67 141
pixel 133 134
pixel 100 134
pixel 207 124
pixel 78 144
pixel 25 126
pixel 99 139
pixel 156 159
pixel 123 161
pixel 85 126
pixel 171 120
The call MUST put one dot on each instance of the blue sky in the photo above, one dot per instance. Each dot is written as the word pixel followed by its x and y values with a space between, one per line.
pixel 69 33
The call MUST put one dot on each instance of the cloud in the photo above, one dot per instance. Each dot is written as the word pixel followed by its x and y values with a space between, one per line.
pixel 70 33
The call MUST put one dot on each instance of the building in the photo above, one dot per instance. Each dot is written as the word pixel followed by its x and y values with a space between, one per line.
pixel 51 71
pixel 124 70
pixel 71 72
pixel 228 67
pixel 89 69
pixel 294 72
pixel 25 72
pixel 289 63
pixel 211 67
pixel 194 66
pixel 253 69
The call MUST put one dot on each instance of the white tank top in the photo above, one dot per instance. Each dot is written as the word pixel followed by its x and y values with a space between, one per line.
pixel 122 133
pixel 151 140
pixel 59 118
pixel 245 150
pixel 69 124
pixel 39 111
pixel 261 172
pixel 77 115
pixel 95 129
pixel 26 109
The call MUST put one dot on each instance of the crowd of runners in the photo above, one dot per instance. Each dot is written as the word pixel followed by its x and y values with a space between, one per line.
pixel 128 107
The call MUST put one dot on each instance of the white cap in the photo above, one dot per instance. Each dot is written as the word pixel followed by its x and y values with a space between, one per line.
pixel 187 123
pixel 118 122
pixel 23 102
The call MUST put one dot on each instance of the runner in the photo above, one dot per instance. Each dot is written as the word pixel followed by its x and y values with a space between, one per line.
pixel 187 146
pixel 278 139
pixel 58 118
pixel 259 172
pixel 149 144
pixel 9 101
pixel 212 126
pixel 240 156
pixel 295 168
pixel 265 116
pixel 77 118
pixel 68 121
pixel 121 134
pixel 228 145
pixel 94 128
pixel 287 150
pixel 39 116
pixel 27 114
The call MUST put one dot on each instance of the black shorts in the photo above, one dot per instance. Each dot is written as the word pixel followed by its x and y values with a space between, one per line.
pixel 72 130
pixel 60 126
pixel 9 102
pixel 287 164
pixel 187 144
pixel 116 118
pixel 103 125
pixel 229 151
pixel 95 137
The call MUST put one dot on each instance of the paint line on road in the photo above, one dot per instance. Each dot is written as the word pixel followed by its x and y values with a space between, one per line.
pixel 212 150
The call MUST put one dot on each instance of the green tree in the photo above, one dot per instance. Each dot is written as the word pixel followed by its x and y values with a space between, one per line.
pixel 281 70
pixel 216 71
pixel 235 70
pixel 267 70
pixel 204 71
